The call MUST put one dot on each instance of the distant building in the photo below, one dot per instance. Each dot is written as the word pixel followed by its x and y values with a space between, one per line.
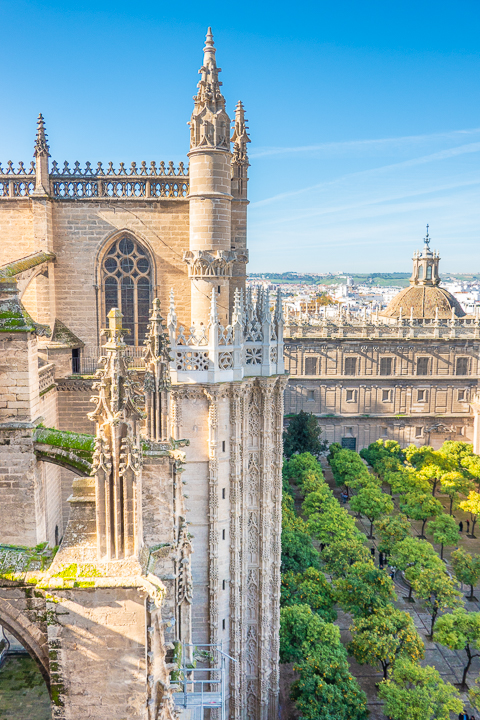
pixel 408 373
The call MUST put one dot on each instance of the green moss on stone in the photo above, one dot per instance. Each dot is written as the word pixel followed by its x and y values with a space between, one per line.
pixel 83 444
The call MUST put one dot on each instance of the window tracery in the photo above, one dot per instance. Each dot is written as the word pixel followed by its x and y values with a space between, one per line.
pixel 127 284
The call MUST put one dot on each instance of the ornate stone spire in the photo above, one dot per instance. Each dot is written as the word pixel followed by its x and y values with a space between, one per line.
pixel 41 155
pixel 240 137
pixel 41 146
pixel 157 376
pixel 117 458
pixel 209 124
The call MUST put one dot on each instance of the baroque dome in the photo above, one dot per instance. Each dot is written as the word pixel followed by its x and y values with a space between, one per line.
pixel 424 299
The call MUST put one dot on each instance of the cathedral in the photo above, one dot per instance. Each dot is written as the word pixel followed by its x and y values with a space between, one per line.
pixel 141 407
pixel 409 373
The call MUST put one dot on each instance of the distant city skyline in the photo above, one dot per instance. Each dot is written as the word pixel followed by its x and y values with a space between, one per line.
pixel 364 118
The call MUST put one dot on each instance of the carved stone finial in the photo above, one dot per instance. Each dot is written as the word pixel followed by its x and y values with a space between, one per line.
pixel 172 315
pixel 240 137
pixel 41 155
pixel 41 146
pixel 209 124
pixel 237 316
pixel 157 375
pixel 279 306
pixel 213 308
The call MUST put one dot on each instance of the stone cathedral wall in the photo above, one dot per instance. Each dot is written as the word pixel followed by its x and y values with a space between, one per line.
pixel 81 230
pixel 233 494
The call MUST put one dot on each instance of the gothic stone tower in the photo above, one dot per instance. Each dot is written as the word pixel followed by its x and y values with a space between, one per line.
pixel 81 243
pixel 228 399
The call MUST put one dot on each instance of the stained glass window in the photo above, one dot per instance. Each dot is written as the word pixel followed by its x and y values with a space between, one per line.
pixel 127 284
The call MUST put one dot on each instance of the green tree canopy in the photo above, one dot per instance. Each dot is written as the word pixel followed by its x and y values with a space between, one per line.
pixel 474 694
pixel 471 465
pixel 339 556
pixel 411 555
pixel 430 464
pixel 298 552
pixel 420 506
pixel 466 568
pixel 444 530
pixel 384 636
pixel 302 435
pixel 326 688
pixel 472 506
pixel 348 469
pixel 333 449
pixel 405 480
pixel 453 484
pixel 331 526
pixel 373 503
pixel 392 529
pixel 298 466
pixel 301 631
pixel 456 451
pixel 379 450
pixel 309 588
pixel 416 693
pixel 365 589
pixel 460 630
pixel 319 501
pixel 438 591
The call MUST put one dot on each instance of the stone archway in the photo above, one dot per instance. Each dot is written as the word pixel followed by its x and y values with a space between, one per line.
pixel 32 637
pixel 64 458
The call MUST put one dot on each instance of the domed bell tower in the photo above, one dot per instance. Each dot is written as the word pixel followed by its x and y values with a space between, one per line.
pixel 425 265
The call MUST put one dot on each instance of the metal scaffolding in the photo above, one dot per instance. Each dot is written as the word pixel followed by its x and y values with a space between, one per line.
pixel 202 687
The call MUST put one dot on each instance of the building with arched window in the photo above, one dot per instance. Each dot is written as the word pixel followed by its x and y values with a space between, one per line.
pixel 128 284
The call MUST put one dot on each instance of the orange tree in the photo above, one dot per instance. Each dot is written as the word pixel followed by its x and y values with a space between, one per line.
pixel 460 630
pixel 325 689
pixel 309 588
pixel 466 568
pixel 364 590
pixel 416 693
pixel 384 636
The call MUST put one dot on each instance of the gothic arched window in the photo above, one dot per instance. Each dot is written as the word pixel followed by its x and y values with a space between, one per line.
pixel 127 284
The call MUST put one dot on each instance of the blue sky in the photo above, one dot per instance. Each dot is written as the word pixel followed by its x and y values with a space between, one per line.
pixel 364 115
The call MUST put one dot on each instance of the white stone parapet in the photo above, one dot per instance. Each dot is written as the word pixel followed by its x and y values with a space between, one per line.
pixel 252 346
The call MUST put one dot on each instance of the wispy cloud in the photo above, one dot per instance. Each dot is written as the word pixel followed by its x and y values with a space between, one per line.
pixel 381 143
pixel 433 157
pixel 370 201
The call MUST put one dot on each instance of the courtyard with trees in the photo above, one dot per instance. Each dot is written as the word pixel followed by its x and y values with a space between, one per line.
pixel 401 503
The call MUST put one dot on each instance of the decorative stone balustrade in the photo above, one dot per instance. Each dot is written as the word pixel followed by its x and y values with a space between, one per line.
pixel 46 378
pixel 344 325
pixel 251 346
pixel 146 182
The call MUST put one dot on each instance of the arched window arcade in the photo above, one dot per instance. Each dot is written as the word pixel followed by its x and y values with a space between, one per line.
pixel 127 284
